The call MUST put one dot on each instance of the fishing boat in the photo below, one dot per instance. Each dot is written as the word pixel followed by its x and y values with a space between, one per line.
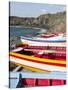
pixel 18 79
pixel 39 48
pixel 43 61
pixel 56 40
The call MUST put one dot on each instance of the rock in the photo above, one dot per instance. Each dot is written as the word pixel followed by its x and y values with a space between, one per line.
pixel 52 22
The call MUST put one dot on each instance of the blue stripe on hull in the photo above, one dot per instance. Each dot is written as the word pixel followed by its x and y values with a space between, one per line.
pixel 30 39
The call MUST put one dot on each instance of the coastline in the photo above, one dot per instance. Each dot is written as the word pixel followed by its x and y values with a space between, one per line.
pixel 26 27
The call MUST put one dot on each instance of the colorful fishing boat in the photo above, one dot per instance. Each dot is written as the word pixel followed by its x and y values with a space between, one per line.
pixel 60 48
pixel 59 40
pixel 40 62
pixel 36 79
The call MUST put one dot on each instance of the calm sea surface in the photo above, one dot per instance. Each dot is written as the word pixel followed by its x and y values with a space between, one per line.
pixel 15 32
pixel 19 31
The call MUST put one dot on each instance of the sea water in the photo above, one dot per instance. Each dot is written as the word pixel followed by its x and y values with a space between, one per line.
pixel 15 32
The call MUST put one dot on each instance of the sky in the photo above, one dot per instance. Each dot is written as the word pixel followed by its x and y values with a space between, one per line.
pixel 22 9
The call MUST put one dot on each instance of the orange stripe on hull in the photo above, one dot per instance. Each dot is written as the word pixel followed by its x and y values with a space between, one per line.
pixel 54 64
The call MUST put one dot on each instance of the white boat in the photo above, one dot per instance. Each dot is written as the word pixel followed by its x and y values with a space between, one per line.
pixel 40 41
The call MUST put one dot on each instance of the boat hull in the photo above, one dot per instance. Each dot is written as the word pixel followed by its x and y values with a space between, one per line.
pixel 38 64
pixel 32 42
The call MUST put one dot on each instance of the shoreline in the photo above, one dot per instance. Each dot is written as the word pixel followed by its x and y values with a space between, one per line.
pixel 26 27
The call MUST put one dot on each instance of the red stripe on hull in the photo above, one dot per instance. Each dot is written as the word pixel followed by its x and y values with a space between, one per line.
pixel 42 82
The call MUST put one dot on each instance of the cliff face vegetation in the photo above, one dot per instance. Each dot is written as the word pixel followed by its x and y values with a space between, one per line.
pixel 51 22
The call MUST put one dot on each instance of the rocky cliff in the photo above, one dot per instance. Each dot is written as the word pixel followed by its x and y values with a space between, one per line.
pixel 52 22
